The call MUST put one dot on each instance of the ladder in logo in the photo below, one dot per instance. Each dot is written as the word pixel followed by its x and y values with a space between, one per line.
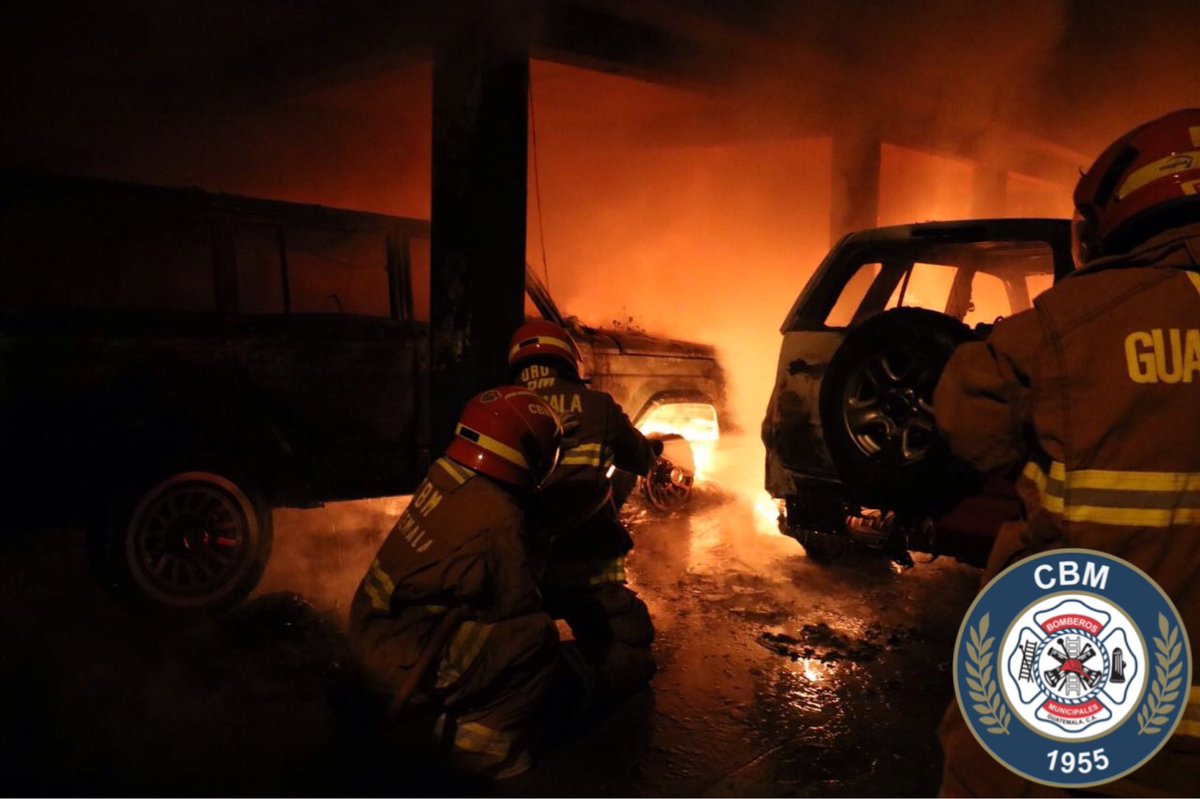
pixel 1072 685
pixel 1027 661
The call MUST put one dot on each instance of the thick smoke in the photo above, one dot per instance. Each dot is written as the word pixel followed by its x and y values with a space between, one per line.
pixel 324 552
pixel 695 213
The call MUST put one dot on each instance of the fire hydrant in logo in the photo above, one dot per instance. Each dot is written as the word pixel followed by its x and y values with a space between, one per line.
pixel 1072 668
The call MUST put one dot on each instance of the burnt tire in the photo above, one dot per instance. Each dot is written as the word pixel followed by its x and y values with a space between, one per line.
pixel 877 413
pixel 189 541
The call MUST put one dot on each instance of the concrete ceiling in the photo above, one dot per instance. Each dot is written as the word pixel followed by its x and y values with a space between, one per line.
pixel 929 75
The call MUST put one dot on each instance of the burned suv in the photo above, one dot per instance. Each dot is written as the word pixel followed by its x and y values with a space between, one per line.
pixel 174 364
pixel 852 449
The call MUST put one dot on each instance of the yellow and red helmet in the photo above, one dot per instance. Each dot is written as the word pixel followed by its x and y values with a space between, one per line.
pixel 543 341
pixel 510 434
pixel 1145 182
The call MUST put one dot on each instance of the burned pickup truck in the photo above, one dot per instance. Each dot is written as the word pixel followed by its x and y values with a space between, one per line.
pixel 174 364
pixel 852 449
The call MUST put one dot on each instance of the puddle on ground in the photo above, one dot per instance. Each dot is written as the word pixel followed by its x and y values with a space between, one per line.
pixel 822 643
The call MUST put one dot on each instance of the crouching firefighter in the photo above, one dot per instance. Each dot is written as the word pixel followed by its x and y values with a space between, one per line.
pixel 449 610
pixel 584 580
pixel 1097 392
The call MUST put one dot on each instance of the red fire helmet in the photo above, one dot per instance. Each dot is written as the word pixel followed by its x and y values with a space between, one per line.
pixel 1146 182
pixel 510 434
pixel 542 340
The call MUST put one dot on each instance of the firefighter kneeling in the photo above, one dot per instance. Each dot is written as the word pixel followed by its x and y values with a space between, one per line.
pixel 449 607
pixel 584 582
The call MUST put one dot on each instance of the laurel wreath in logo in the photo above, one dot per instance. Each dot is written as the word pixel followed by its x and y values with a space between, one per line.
pixel 989 705
pixel 1164 691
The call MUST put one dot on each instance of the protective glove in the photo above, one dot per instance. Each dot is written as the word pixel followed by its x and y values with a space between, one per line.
pixel 658 441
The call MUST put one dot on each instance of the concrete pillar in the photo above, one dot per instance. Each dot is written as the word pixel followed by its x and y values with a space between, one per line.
pixel 480 112
pixel 854 190
pixel 989 191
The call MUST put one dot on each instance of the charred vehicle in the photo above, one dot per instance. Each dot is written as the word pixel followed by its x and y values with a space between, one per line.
pixel 668 388
pixel 852 449
pixel 174 364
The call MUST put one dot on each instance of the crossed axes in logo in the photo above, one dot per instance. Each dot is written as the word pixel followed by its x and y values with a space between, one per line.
pixel 1071 665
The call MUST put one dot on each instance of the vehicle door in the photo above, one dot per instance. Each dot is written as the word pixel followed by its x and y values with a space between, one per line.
pixel 111 350
pixel 328 354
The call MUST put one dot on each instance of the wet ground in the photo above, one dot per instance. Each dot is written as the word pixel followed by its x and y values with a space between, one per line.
pixel 778 676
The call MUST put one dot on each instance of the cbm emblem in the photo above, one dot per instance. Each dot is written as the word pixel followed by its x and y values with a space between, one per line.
pixel 1072 668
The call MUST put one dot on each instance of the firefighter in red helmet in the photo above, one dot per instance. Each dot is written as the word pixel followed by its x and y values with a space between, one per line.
pixel 584 581
pixel 1096 392
pixel 449 609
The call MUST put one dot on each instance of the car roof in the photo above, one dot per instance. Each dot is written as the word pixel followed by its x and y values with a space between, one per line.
pixel 965 231
pixel 929 237
pixel 89 194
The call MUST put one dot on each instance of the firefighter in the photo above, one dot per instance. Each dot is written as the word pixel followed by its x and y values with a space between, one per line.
pixel 449 608
pixel 1096 391
pixel 584 581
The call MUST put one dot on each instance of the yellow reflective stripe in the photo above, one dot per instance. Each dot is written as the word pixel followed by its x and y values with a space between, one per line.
pixel 1165 167
pixel 1049 484
pixel 589 572
pixel 379 587
pixel 581 460
pixel 1047 481
pixel 1132 517
pixel 464 649
pixel 468 642
pixel 382 577
pixel 1134 481
pixel 1118 497
pixel 492 445
pixel 1034 474
pixel 550 341
pixel 1195 278
pixel 612 573
pixel 458 474
pixel 583 455
pixel 472 736
pixel 1193 704
pixel 377 599
pixel 1189 725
